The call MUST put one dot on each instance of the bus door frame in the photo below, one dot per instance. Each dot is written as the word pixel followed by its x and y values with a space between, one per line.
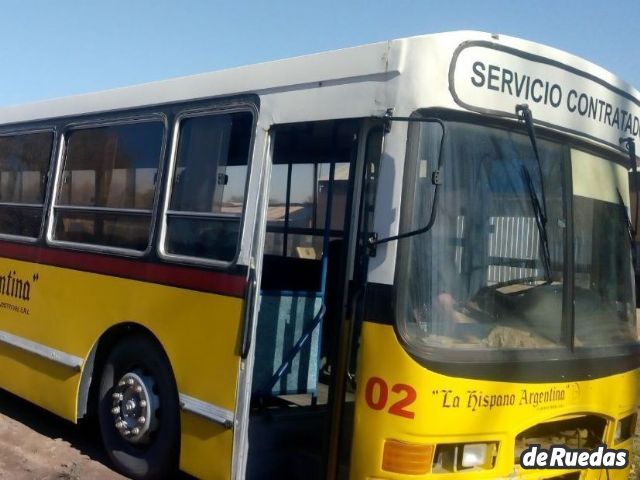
pixel 258 196
pixel 253 232
pixel 353 295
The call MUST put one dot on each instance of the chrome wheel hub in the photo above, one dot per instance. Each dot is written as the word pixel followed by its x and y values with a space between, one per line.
pixel 134 407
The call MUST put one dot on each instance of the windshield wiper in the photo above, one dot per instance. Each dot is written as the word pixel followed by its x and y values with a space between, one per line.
pixel 630 145
pixel 540 210
pixel 541 222
pixel 524 113
pixel 630 230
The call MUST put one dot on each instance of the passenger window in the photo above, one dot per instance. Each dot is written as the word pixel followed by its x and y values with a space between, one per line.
pixel 108 184
pixel 24 163
pixel 208 186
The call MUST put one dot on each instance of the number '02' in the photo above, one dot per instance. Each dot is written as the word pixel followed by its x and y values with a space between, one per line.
pixel 376 394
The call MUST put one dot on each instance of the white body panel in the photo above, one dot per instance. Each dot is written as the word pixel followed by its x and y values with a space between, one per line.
pixel 431 71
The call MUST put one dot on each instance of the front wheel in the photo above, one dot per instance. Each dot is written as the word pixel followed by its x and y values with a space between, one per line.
pixel 139 410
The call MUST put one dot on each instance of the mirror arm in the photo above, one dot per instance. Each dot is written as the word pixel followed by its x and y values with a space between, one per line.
pixel 436 179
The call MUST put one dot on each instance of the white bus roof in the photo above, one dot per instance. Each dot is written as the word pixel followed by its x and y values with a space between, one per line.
pixel 465 70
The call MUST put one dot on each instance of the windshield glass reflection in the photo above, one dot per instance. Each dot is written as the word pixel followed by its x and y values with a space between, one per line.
pixel 479 278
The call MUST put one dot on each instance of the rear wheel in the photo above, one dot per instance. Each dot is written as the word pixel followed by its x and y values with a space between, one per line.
pixel 139 411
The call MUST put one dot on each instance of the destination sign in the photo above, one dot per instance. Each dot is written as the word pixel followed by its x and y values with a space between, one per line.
pixel 489 78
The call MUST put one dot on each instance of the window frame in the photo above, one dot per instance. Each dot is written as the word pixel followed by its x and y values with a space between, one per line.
pixel 60 158
pixel 166 211
pixel 27 130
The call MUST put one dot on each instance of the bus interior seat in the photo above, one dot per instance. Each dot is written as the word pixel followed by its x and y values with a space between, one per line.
pixel 286 442
pixel 291 304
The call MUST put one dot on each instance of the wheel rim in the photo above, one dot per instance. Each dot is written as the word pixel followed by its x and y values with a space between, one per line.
pixel 134 407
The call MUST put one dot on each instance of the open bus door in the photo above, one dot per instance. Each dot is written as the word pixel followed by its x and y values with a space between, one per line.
pixel 214 396
pixel 294 403
pixel 253 230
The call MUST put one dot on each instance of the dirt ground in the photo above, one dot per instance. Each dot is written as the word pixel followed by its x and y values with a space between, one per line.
pixel 35 444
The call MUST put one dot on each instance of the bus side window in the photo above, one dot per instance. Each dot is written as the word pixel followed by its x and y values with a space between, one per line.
pixel 24 162
pixel 107 187
pixel 208 186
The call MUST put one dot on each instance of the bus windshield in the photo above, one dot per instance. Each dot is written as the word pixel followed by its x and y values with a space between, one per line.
pixel 482 277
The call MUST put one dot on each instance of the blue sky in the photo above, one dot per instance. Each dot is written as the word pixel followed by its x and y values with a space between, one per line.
pixel 56 48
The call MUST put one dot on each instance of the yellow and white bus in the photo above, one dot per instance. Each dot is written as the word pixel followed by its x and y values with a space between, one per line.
pixel 409 259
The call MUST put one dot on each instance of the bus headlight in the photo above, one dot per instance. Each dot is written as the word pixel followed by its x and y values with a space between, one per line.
pixel 474 454
pixel 456 457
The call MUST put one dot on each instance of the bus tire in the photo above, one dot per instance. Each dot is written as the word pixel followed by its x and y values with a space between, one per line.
pixel 138 410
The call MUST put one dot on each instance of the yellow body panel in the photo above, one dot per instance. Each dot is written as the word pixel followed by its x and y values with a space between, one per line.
pixel 69 310
pixel 445 410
